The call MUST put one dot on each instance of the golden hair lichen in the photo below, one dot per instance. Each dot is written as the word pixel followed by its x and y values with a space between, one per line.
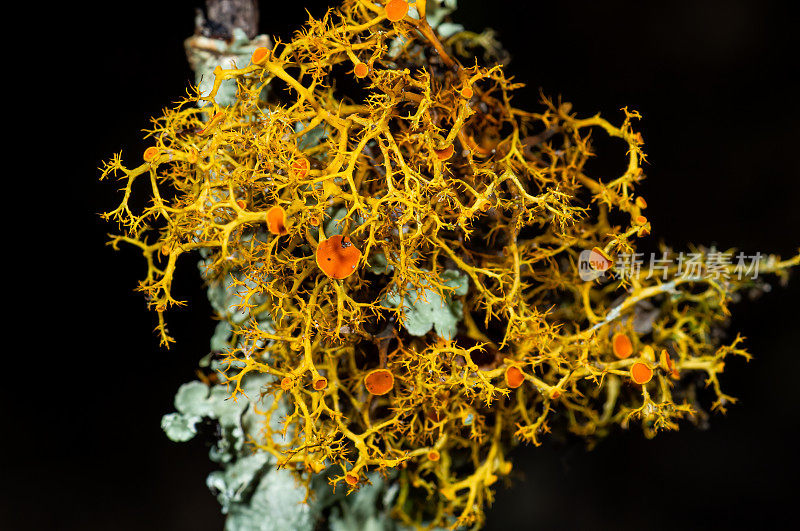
pixel 430 192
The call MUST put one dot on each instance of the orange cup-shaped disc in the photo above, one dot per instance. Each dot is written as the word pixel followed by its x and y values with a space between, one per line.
pixel 599 260
pixel 337 257
pixel 361 70
pixel 276 221
pixel 320 383
pixel 396 10
pixel 379 382
pixel 433 455
pixel 446 153
pixel 259 55
pixel 150 153
pixel 668 365
pixel 300 168
pixel 665 360
pixel 641 373
pixel 514 377
pixel 622 346
pixel 351 479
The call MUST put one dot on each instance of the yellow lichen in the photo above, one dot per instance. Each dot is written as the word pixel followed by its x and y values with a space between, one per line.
pixel 435 170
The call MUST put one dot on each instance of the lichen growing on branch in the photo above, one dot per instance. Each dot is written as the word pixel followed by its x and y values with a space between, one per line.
pixel 403 243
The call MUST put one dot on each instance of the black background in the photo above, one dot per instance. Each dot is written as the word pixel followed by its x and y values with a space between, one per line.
pixel 714 81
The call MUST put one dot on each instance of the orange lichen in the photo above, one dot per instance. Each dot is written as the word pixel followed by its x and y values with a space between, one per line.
pixel 260 55
pixel 433 455
pixel 287 383
pixel 514 376
pixel 641 220
pixel 640 202
pixel 320 383
pixel 379 381
pixel 622 346
pixel 361 70
pixel 446 153
pixel 300 168
pixel 150 153
pixel 337 257
pixel 467 92
pixel 351 479
pixel 599 260
pixel 666 363
pixel 276 220
pixel 641 373
pixel 396 10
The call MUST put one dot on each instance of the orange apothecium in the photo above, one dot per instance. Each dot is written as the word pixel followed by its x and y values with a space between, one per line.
pixel 337 257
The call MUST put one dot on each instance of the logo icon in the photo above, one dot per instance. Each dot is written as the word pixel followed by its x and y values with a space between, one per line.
pixel 592 264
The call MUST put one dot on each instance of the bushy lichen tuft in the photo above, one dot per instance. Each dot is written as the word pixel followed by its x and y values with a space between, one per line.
pixel 368 205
